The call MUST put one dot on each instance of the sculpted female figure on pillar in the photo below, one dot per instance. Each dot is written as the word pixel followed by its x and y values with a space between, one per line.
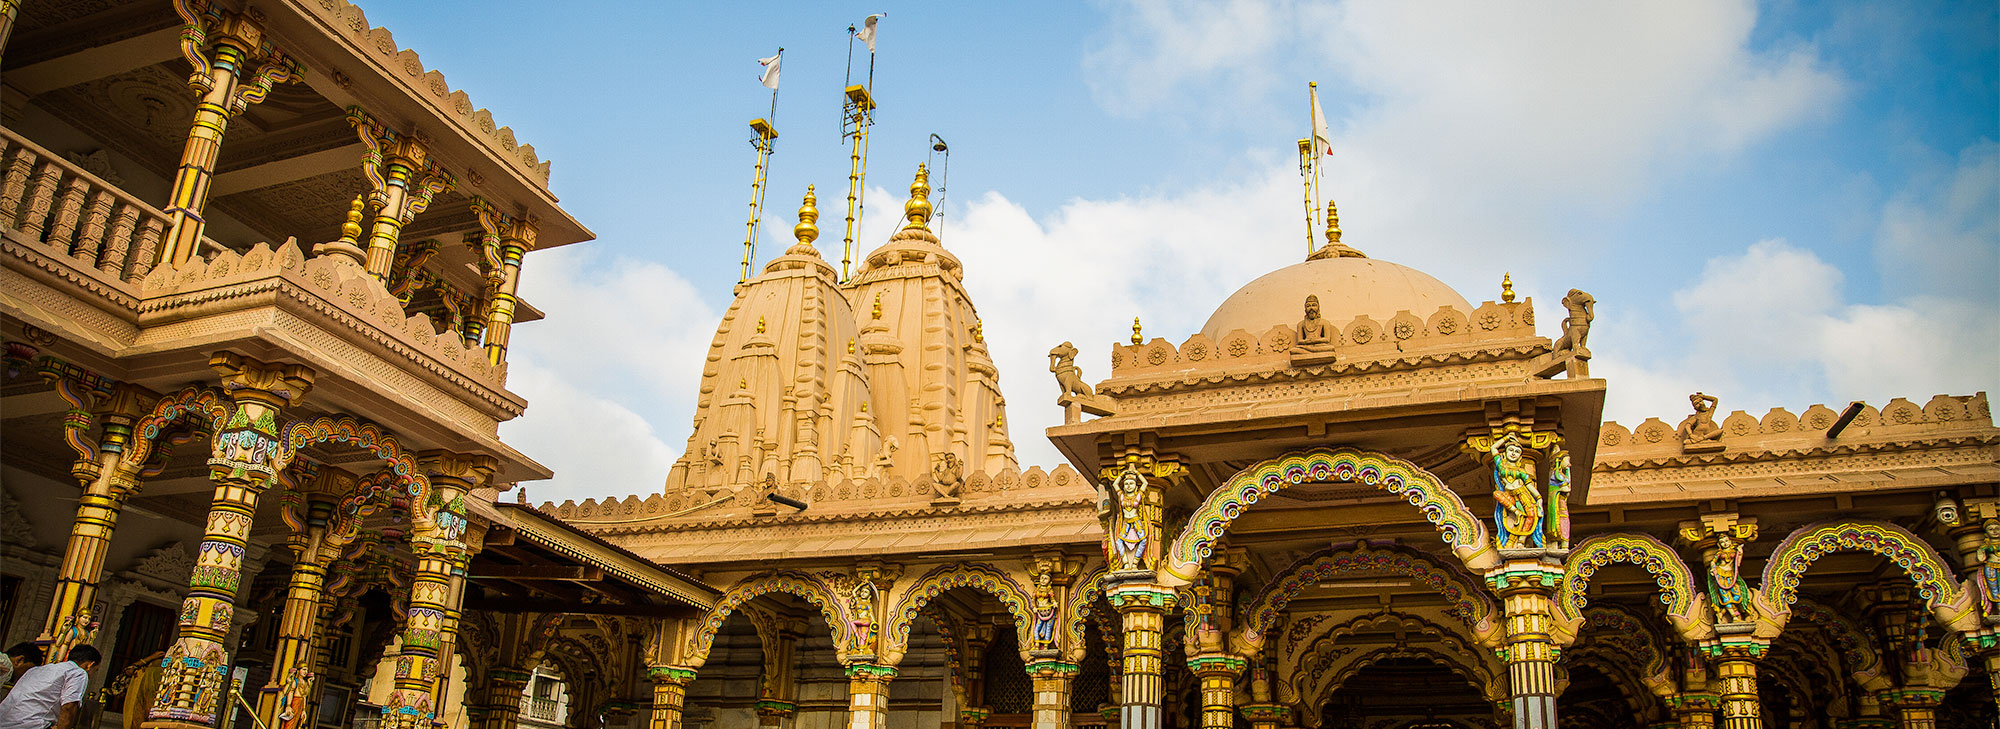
pixel 1045 611
pixel 1725 585
pixel 1129 533
pixel 1559 487
pixel 1517 500
pixel 1989 568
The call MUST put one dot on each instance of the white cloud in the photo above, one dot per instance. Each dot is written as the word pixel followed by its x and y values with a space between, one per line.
pixel 1940 235
pixel 621 351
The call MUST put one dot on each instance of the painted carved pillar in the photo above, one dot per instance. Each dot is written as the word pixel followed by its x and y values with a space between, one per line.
pixel 222 79
pixel 974 712
pixel 504 687
pixel 441 552
pixel 403 180
pixel 475 540
pixel 107 481
pixel 1051 677
pixel 323 527
pixel 1695 710
pixel 669 693
pixel 1916 708
pixel 1266 716
pixel 1526 587
pixel 1217 674
pixel 1142 606
pixel 246 455
pixel 868 695
pixel 1211 618
pixel 1735 656
pixel 511 239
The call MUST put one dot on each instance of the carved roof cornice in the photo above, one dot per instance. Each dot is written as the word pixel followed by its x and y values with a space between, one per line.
pixel 1519 350
pixel 1759 455
pixel 917 510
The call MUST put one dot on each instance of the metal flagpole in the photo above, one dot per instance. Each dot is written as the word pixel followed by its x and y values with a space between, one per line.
pixel 1305 180
pixel 857 116
pixel 1312 94
pixel 764 135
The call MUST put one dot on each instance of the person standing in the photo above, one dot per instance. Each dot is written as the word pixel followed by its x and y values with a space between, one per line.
pixel 51 696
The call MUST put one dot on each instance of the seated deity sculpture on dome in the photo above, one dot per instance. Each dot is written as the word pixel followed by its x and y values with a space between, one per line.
pixel 1315 335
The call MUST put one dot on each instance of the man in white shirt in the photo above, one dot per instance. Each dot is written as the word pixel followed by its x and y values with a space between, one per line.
pixel 50 696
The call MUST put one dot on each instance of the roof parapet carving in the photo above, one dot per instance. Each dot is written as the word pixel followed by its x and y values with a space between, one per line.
pixel 1362 338
pixel 226 275
pixel 843 497
pixel 1944 416
pixel 455 105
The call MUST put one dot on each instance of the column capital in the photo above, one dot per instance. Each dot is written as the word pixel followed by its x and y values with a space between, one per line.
pixel 1911 697
pixel 1690 702
pixel 1052 668
pixel 467 470
pixel 676 675
pixel 870 672
pixel 1216 664
pixel 276 383
pixel 1265 712
pixel 1537 575
pixel 1139 595
pixel 775 707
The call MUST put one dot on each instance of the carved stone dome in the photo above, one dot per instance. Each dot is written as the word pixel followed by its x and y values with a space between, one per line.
pixel 1347 286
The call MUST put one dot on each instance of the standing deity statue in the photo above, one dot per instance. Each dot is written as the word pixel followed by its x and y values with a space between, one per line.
pixel 1989 569
pixel 864 617
pixel 1518 515
pixel 1128 536
pixel 1314 333
pixel 1725 582
pixel 1558 501
pixel 1700 428
pixel 1576 327
pixel 1069 377
pixel 1045 611
pixel 292 698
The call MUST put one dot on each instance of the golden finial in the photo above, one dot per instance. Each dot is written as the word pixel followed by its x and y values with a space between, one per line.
pixel 742 384
pixel 918 209
pixel 864 406
pixel 1332 224
pixel 850 345
pixel 1136 339
pixel 978 331
pixel 808 228
pixel 999 420
pixel 760 324
pixel 877 313
pixel 1507 288
pixel 350 230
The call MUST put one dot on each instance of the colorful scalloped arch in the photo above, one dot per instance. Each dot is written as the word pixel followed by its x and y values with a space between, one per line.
pixel 1469 601
pixel 806 587
pixel 1789 562
pixel 1085 590
pixel 1676 581
pixel 403 474
pixel 193 400
pixel 1460 528
pixel 983 577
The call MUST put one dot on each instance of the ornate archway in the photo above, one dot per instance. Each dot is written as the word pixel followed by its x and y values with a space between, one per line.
pixel 1084 592
pixel 979 576
pixel 1949 600
pixel 193 401
pixel 1686 607
pixel 1326 651
pixel 401 469
pixel 805 586
pixel 1470 602
pixel 1460 529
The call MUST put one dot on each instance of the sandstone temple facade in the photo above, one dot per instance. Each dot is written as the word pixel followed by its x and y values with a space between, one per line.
pixel 260 270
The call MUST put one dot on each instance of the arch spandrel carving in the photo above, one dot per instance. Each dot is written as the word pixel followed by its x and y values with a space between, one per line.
pixel 1469 600
pixel 1326 650
pixel 1854 644
pixel 979 576
pixel 1460 529
pixel 1084 592
pixel 196 401
pixel 400 465
pixel 1686 607
pixel 1950 600
pixel 807 587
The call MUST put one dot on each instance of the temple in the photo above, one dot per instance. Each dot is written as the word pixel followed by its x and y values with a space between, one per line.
pixel 259 278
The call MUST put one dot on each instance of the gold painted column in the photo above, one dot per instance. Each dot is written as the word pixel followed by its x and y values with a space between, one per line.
pixel 1217 674
pixel 245 456
pixel 1916 708
pixel 321 533
pixel 504 687
pixel 107 481
pixel 1142 606
pixel 1051 678
pixel 403 180
pixel 868 695
pixel 1526 587
pixel 669 693
pixel 441 551
pixel 1735 657
pixel 1695 710
pixel 225 92
pixel 517 237
pixel 1266 716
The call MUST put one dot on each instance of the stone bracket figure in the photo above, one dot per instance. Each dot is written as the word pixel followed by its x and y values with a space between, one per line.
pixel 1518 511
pixel 1721 537
pixel 1076 397
pixel 1699 433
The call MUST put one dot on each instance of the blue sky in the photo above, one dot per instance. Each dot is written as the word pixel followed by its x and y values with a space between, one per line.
pixel 1780 203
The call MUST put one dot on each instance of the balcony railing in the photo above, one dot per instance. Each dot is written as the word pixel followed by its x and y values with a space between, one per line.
pixel 541 709
pixel 75 213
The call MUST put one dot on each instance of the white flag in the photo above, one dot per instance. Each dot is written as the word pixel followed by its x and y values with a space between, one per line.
pixel 770 77
pixel 1322 140
pixel 867 31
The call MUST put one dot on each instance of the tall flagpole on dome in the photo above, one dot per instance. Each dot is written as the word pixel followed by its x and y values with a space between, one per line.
pixel 764 137
pixel 857 115
pixel 1322 144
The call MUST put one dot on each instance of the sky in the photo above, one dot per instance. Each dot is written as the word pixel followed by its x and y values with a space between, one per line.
pixel 1780 203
